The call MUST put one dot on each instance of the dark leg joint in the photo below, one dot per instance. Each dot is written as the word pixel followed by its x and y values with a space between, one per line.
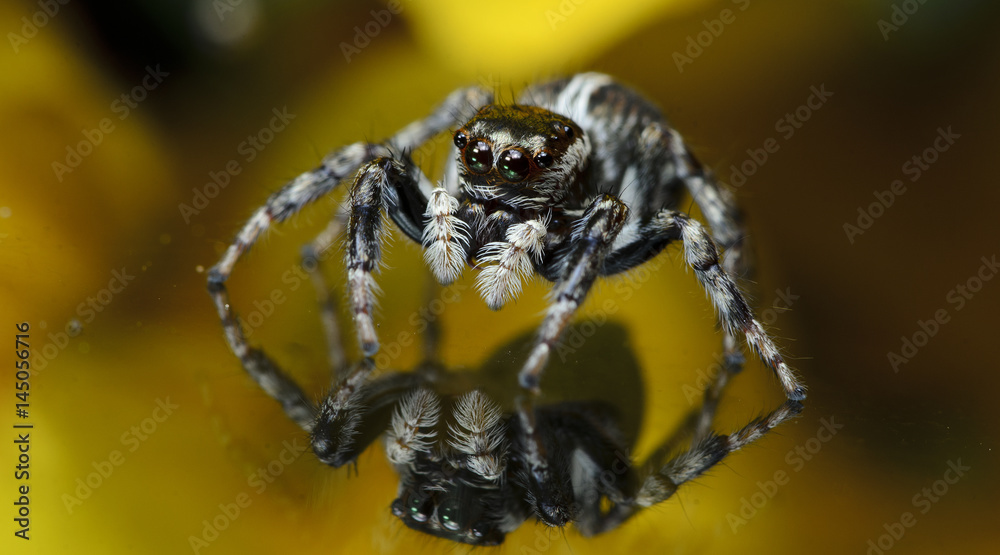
pixel 216 283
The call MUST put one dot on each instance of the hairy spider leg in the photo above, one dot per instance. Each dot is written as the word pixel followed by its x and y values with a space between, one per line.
pixel 707 453
pixel 552 502
pixel 660 484
pixel 702 256
pixel 305 189
pixel 589 244
pixel 373 194
pixel 658 481
pixel 734 311
pixel 718 205
pixel 261 368
pixel 590 241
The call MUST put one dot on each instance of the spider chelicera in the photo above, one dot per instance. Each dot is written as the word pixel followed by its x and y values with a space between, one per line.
pixel 580 178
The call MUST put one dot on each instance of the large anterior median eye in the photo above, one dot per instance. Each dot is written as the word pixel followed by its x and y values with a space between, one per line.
pixel 478 156
pixel 450 516
pixel 513 165
pixel 419 507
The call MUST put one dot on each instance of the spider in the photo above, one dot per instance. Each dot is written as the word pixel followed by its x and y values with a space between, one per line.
pixel 580 178
pixel 466 466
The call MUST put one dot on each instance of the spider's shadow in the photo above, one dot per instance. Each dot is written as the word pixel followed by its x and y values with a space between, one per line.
pixel 600 368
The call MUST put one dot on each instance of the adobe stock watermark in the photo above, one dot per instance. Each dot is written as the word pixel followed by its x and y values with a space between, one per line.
pixel 796 459
pixel 419 321
pixel 784 299
pixel 86 312
pixel 900 15
pixel 248 150
pixel 563 11
pixel 30 25
pixel 363 36
pixel 223 8
pixel 579 332
pixel 913 168
pixel 787 126
pixel 132 438
pixel 958 296
pixel 95 136
pixel 264 308
pixel 697 44
pixel 924 500
pixel 294 277
pixel 257 482
pixel 291 279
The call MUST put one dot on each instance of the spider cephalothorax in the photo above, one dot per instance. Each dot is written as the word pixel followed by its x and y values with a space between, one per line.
pixel 438 497
pixel 580 178
pixel 457 488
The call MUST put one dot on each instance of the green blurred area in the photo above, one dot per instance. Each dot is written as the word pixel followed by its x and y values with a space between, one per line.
pixel 169 97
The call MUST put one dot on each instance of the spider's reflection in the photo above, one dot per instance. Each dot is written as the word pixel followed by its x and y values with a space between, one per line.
pixel 461 441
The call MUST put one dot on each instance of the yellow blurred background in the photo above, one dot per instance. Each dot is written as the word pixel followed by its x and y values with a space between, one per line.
pixel 118 116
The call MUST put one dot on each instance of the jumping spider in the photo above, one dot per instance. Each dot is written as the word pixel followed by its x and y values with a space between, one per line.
pixel 580 178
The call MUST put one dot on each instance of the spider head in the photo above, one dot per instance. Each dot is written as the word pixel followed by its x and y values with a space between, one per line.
pixel 521 155
pixel 458 490
pixel 438 496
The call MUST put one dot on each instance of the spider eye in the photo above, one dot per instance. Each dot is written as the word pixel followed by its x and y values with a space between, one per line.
pixel 513 165
pixel 544 159
pixel 479 157
pixel 479 529
pixel 562 129
pixel 448 514
pixel 460 139
pixel 419 507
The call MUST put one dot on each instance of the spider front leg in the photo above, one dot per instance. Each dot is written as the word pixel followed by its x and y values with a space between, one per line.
pixel 310 186
pixel 282 204
pixel 589 243
pixel 381 187
pixel 591 240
